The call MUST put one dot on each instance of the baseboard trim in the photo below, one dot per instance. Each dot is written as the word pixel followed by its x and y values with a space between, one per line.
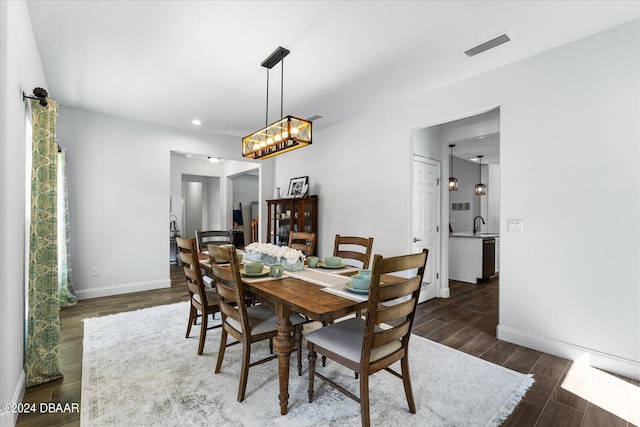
pixel 125 288
pixel 597 359
pixel 9 419
pixel 444 292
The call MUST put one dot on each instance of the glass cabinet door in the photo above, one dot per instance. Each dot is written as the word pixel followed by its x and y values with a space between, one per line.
pixel 289 215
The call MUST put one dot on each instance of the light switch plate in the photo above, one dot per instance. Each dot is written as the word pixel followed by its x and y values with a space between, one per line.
pixel 514 226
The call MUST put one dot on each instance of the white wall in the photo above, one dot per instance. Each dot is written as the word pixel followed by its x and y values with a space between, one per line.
pixel 20 70
pixel 569 133
pixel 493 199
pixel 245 190
pixel 467 174
pixel 119 186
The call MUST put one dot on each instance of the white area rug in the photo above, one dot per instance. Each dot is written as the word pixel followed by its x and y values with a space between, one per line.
pixel 138 369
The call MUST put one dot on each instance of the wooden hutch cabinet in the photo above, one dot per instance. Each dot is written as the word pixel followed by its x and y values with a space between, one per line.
pixel 287 215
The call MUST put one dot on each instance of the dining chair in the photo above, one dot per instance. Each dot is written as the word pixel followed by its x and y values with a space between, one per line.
pixel 246 324
pixel 217 237
pixel 305 242
pixel 354 249
pixel 350 249
pixel 373 343
pixel 203 300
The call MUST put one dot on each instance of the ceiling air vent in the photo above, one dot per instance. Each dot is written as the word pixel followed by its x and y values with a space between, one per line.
pixel 489 44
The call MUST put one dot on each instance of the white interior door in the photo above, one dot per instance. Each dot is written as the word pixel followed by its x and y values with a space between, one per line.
pixel 426 221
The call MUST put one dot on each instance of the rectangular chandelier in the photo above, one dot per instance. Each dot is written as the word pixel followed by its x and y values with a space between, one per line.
pixel 288 133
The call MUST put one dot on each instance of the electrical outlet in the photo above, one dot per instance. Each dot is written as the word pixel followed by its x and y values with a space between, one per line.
pixel 94 271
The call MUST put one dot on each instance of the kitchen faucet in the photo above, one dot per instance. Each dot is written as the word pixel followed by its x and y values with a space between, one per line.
pixel 474 224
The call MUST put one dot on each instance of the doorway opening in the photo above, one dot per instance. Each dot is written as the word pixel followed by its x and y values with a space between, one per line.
pixel 473 135
pixel 206 195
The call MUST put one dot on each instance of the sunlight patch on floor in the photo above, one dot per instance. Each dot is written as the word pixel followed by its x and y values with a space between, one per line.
pixel 610 393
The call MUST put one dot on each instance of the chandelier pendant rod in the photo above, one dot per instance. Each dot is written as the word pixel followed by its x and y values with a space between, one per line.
pixel 281 85
pixel 266 116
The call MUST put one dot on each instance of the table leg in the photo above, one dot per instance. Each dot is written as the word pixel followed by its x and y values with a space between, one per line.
pixel 283 344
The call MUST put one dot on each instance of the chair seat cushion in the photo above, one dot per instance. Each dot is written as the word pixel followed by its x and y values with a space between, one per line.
pixel 262 319
pixel 208 280
pixel 212 298
pixel 345 338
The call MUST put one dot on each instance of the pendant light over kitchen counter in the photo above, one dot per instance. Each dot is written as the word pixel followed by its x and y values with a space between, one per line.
pixel 481 189
pixel 453 182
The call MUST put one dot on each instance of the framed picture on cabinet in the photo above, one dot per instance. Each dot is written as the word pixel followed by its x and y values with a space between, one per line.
pixel 298 187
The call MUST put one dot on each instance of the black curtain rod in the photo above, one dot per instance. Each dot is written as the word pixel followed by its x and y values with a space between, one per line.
pixel 39 94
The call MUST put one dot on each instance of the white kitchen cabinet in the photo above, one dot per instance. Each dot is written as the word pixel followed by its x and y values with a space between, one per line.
pixel 472 257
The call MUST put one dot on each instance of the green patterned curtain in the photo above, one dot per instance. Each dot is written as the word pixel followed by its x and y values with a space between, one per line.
pixel 65 288
pixel 43 319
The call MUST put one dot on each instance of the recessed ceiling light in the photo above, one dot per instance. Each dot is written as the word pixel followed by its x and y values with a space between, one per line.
pixel 196 122
pixel 214 159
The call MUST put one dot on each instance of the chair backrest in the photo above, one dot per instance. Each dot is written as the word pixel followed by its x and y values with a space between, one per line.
pixel 393 302
pixel 217 237
pixel 305 242
pixel 353 248
pixel 188 252
pixel 229 288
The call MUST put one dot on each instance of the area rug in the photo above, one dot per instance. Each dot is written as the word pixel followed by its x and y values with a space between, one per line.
pixel 139 370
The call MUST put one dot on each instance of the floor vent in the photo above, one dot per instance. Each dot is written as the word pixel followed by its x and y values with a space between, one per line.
pixel 490 44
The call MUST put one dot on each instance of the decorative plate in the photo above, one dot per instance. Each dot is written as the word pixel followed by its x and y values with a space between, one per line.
pixel 323 264
pixel 350 287
pixel 265 271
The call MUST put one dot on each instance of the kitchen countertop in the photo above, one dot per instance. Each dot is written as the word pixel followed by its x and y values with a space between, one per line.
pixel 470 234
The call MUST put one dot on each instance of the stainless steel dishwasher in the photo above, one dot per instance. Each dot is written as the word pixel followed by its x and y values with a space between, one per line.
pixel 488 257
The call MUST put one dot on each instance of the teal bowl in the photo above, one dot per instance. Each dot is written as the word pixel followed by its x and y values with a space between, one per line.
pixel 360 282
pixel 253 267
pixel 364 273
pixel 332 261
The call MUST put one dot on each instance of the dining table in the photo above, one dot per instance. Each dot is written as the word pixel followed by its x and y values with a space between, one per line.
pixel 315 293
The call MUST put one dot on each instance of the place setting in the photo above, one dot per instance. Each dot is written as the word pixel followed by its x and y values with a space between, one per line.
pixel 258 271
pixel 359 283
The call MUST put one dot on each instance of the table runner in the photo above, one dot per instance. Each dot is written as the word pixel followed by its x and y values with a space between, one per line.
pixel 330 281
pixel 318 277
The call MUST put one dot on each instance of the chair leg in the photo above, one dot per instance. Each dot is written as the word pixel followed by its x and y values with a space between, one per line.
pixel 244 370
pixel 203 333
pixel 192 320
pixel 298 338
pixel 223 347
pixel 406 380
pixel 364 400
pixel 312 369
pixel 324 358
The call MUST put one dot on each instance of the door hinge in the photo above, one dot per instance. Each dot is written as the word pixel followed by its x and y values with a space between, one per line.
pixel 437 181
pixel 437 228
pixel 437 275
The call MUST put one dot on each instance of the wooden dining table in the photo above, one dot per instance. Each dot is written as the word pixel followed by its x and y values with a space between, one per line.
pixel 293 295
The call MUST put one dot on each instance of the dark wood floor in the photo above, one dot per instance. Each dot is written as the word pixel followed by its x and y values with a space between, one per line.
pixel 465 321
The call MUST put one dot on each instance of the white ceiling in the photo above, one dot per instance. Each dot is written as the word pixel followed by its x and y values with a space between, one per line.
pixel 168 62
